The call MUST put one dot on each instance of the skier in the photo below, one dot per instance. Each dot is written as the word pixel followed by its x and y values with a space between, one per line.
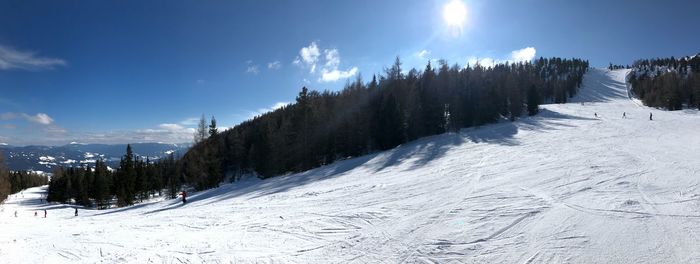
pixel 15 213
pixel 34 213
pixel 624 115
pixel 596 115
pixel 76 211
pixel 650 117
pixel 44 213
pixel 184 197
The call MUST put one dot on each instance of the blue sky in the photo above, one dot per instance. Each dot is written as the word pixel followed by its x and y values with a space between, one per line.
pixel 144 71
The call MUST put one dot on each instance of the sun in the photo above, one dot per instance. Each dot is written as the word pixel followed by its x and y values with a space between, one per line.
pixel 455 14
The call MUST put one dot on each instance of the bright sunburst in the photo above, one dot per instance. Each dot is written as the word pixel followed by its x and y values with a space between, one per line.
pixel 455 14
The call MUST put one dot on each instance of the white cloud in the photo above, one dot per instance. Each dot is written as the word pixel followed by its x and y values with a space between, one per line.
pixel 275 65
pixel 421 54
pixel 164 135
pixel 522 55
pixel 332 58
pixel 309 56
pixel 24 60
pixel 52 134
pixel 516 56
pixel 39 118
pixel 55 130
pixel 334 75
pixel 171 127
pixel 262 111
pixel 330 72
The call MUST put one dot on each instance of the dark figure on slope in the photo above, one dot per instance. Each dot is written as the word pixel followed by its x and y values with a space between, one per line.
pixel 624 115
pixel 650 117
pixel 76 211
pixel 44 213
pixel 184 197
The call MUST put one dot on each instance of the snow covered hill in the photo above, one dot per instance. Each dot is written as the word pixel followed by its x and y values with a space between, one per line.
pixel 560 187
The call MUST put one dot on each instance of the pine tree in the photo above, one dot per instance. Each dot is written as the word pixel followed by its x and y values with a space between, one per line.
pixel 5 186
pixel 172 173
pixel 125 181
pixel 101 184
pixel 533 101
pixel 212 127
pixel 201 133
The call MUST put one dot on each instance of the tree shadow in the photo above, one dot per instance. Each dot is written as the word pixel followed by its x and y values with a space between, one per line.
pixel 418 153
pixel 414 154
pixel 123 209
pixel 166 208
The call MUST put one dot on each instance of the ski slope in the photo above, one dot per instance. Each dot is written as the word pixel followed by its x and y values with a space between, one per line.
pixel 561 187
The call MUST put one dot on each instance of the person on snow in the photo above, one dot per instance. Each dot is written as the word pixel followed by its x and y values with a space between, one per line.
pixel 34 213
pixel 184 197
pixel 650 117
pixel 76 211
pixel 15 213
pixel 624 115
pixel 44 213
pixel 596 115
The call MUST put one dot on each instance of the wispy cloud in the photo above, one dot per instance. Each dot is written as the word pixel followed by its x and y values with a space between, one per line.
pixel 190 121
pixel 164 133
pixel 39 118
pixel 50 133
pixel 520 55
pixel 252 68
pixel 275 65
pixel 421 54
pixel 26 60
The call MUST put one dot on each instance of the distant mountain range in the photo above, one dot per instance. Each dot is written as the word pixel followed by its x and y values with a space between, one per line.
pixel 45 158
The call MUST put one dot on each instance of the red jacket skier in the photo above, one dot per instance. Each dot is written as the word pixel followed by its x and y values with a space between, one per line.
pixel 184 197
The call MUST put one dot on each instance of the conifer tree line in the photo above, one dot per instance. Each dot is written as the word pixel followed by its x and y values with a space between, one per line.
pixel 136 179
pixel 15 181
pixel 390 109
pixel 668 83
pixel 617 67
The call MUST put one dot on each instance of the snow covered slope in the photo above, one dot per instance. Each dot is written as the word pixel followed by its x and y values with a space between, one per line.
pixel 563 186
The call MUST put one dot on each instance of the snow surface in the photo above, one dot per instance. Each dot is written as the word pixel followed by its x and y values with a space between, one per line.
pixel 561 187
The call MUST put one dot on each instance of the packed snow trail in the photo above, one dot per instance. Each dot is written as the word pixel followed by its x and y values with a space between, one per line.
pixel 560 187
